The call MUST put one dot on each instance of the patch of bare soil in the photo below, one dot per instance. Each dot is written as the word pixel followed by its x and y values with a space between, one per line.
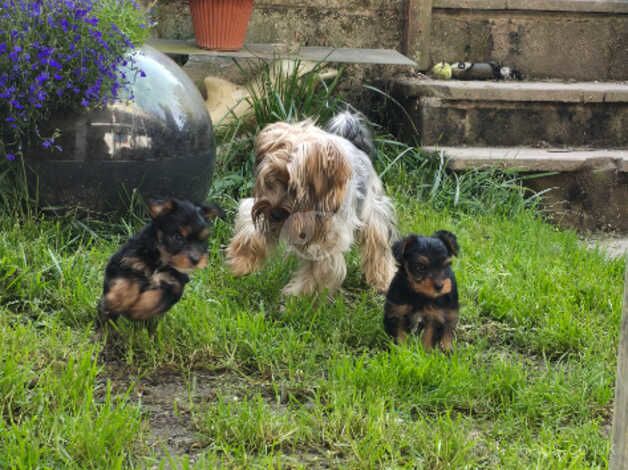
pixel 172 401
pixel 167 398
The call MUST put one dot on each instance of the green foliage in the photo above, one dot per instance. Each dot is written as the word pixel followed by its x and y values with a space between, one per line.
pixel 412 172
pixel 125 15
pixel 287 91
pixel 54 413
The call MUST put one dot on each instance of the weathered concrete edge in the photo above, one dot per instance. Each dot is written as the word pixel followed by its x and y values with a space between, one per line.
pixel 329 4
pixel 277 51
pixel 580 92
pixel 575 6
pixel 530 159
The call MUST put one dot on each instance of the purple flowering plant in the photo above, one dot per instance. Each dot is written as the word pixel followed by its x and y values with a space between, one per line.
pixel 61 55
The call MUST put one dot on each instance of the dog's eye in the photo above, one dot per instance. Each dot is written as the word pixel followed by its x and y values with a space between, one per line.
pixel 177 237
pixel 421 266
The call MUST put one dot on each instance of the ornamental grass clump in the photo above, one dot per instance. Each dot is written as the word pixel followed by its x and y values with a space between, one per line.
pixel 61 55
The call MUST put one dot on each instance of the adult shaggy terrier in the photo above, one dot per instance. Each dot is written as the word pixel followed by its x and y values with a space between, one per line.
pixel 316 190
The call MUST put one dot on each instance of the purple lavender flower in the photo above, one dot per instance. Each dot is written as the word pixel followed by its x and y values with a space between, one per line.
pixel 55 55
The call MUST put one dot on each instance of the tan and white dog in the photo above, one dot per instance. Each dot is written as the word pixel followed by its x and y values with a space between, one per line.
pixel 317 191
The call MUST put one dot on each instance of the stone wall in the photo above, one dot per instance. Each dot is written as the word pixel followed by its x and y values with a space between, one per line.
pixel 569 39
pixel 579 45
pixel 338 23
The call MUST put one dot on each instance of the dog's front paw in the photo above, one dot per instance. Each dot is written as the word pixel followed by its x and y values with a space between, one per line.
pixel 292 290
pixel 446 345
pixel 240 266
pixel 381 278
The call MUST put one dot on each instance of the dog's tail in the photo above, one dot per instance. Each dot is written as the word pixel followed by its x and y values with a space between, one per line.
pixel 353 127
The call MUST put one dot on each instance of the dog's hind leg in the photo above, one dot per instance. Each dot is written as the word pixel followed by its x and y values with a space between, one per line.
pixel 318 276
pixel 430 335
pixel 248 248
pixel 375 238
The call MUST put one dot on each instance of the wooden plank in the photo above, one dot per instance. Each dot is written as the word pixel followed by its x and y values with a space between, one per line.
pixel 619 451
pixel 417 32
pixel 410 26
pixel 280 51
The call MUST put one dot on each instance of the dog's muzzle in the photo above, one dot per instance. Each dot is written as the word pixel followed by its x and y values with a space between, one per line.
pixel 278 214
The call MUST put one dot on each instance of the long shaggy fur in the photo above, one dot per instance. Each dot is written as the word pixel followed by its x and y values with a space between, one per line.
pixel 351 126
pixel 317 191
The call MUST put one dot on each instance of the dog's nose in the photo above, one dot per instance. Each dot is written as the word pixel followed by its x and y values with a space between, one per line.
pixel 438 285
pixel 278 215
pixel 194 257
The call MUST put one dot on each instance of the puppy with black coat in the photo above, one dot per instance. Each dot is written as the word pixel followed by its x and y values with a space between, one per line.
pixel 423 294
pixel 146 277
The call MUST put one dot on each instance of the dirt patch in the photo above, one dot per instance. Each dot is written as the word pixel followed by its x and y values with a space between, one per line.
pixel 170 401
pixel 167 399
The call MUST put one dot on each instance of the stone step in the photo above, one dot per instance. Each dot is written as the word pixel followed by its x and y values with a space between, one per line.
pixel 581 188
pixel 532 159
pixel 568 39
pixel 532 114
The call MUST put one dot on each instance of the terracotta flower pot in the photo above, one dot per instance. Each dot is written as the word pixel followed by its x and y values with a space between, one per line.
pixel 221 24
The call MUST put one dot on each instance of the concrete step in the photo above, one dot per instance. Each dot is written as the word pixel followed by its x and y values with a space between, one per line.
pixel 582 189
pixel 569 39
pixel 532 159
pixel 533 114
pixel 613 246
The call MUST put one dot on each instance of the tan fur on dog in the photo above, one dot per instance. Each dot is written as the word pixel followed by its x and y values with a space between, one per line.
pixel 318 193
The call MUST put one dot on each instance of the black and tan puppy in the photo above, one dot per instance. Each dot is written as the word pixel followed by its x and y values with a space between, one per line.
pixel 423 294
pixel 147 275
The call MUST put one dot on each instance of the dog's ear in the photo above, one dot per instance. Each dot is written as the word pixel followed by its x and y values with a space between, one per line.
pixel 319 174
pixel 400 247
pixel 212 211
pixel 272 141
pixel 159 207
pixel 450 241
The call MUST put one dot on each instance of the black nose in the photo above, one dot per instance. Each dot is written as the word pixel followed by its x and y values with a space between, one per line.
pixel 438 285
pixel 194 257
pixel 278 215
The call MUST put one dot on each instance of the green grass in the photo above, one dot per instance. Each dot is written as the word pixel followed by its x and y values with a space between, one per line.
pixel 125 15
pixel 530 383
pixel 310 383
